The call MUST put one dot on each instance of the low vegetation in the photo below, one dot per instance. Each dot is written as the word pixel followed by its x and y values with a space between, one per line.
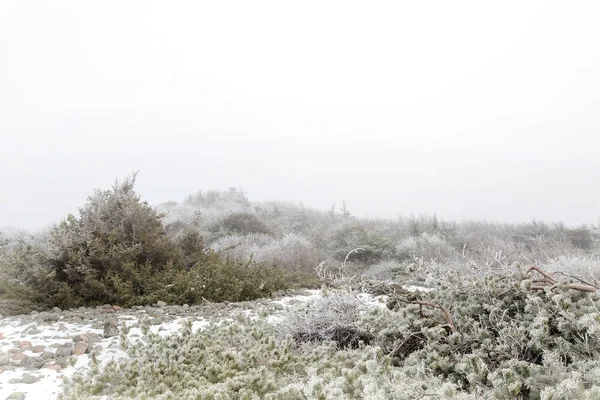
pixel 487 326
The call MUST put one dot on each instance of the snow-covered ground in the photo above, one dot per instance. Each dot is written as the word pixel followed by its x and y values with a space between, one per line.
pixel 42 343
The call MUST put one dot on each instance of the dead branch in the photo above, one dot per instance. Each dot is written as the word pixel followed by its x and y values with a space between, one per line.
pixel 540 284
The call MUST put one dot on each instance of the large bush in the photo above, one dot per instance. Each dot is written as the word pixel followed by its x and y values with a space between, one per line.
pixel 117 251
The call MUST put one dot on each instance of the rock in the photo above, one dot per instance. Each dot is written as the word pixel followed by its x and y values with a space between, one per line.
pixel 81 338
pixel 34 331
pixel 1 336
pixel 16 396
pixel 52 317
pixel 25 345
pixel 4 359
pixel 62 362
pixel 186 306
pixel 277 306
pixel 1 316
pixel 110 327
pixel 38 349
pixel 17 356
pixel 47 355
pixel 92 338
pixel 54 367
pixel 79 348
pixel 57 310
pixel 26 378
pixel 7 368
pixel 161 304
pixel 157 320
pixel 63 351
pixel 31 362
pixel 117 308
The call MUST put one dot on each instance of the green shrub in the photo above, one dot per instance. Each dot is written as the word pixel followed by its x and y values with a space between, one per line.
pixel 117 251
pixel 509 340
pixel 352 235
pixel 242 223
pixel 244 359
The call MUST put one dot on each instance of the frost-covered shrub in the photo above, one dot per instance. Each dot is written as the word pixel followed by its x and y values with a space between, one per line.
pixel 245 359
pixel 239 224
pixel 426 246
pixel 291 251
pixel 352 235
pixel 330 318
pixel 585 266
pixel 384 270
pixel 503 337
pixel 26 279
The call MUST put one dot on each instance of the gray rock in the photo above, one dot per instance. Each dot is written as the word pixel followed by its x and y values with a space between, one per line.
pixel 277 306
pixel 63 351
pixel 47 355
pixel 32 362
pixel 4 359
pixel 52 317
pixel 1 316
pixel 111 328
pixel 161 304
pixel 16 396
pixel 157 320
pixel 79 348
pixel 27 378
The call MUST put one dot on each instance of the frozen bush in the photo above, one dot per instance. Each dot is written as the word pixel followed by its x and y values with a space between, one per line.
pixel 427 247
pixel 331 318
pixel 291 251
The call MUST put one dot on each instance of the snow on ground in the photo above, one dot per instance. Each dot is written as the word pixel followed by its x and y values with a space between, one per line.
pixel 45 383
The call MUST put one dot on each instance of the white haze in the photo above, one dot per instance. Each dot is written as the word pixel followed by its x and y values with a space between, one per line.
pixel 477 110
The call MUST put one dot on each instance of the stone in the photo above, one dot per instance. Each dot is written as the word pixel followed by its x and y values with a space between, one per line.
pixel 161 304
pixel 47 355
pixel 157 320
pixel 24 344
pixel 277 306
pixel 4 359
pixel 63 351
pixel 16 396
pixel 17 356
pixel 111 328
pixel 32 362
pixel 1 336
pixel 7 368
pixel 52 317
pixel 54 367
pixel 38 349
pixel 26 378
pixel 79 348
pixel 81 338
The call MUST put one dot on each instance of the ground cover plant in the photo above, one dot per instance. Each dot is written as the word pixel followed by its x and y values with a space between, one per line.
pixel 483 324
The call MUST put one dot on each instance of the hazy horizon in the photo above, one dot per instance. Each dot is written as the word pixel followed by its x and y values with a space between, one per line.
pixel 469 110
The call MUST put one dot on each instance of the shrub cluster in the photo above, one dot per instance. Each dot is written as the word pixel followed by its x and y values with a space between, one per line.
pixel 504 338
pixel 118 251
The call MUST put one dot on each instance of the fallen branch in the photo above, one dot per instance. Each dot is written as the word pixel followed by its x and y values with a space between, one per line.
pixel 445 311
pixel 540 284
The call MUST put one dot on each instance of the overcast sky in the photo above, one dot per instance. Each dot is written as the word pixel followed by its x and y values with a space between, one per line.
pixel 480 109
